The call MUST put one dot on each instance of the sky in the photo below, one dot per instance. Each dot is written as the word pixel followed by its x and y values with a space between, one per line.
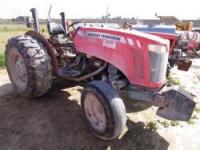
pixel 182 9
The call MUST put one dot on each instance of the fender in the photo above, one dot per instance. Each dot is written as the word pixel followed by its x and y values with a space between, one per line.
pixel 51 50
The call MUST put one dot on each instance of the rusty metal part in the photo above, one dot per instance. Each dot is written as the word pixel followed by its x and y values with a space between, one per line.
pixel 51 50
pixel 184 64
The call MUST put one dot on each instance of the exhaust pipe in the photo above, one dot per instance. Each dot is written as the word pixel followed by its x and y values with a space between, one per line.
pixel 63 23
pixel 36 20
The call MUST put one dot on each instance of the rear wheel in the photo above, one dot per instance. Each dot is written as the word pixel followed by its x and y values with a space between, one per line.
pixel 29 66
pixel 103 110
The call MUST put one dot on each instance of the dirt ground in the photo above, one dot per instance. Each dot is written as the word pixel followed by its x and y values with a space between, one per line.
pixel 54 121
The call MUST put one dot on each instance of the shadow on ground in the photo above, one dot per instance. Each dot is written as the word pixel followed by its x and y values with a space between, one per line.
pixel 7 90
pixel 54 122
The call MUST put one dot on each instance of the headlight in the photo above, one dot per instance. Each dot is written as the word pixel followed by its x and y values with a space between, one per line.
pixel 158 57
pixel 157 48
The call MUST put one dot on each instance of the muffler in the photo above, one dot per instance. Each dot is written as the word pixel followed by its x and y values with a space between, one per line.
pixel 36 20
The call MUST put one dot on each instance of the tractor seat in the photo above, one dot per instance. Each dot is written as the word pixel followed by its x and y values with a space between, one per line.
pixel 55 28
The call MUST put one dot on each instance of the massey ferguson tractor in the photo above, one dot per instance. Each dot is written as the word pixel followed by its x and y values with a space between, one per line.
pixel 110 60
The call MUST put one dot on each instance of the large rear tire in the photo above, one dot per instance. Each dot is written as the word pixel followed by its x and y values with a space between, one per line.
pixel 103 110
pixel 29 66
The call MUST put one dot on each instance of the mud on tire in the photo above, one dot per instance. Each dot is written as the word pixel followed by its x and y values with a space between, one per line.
pixel 29 66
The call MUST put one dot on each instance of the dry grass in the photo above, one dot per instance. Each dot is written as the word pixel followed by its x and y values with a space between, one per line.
pixel 173 80
pixel 6 32
pixel 2 59
pixel 197 109
pixel 10 30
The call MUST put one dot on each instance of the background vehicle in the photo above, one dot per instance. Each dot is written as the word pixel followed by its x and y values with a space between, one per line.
pixel 110 60
pixel 181 37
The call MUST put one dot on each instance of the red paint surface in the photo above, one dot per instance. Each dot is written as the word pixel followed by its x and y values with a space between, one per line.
pixel 132 60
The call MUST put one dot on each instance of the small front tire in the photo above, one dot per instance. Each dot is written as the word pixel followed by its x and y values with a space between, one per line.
pixel 103 110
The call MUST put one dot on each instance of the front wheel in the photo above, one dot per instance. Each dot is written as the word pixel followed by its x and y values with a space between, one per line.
pixel 103 110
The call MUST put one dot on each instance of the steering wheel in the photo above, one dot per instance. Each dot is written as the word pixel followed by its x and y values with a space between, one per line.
pixel 72 25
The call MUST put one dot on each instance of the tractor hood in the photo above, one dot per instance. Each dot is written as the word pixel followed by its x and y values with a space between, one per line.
pixel 147 36
pixel 141 57
pixel 143 35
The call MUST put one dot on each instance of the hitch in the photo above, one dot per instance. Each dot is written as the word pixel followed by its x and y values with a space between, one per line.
pixel 175 104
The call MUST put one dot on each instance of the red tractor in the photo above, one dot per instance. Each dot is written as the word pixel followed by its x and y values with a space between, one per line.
pixel 110 60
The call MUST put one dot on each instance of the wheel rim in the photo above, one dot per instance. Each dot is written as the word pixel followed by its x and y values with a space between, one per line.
pixel 18 69
pixel 95 112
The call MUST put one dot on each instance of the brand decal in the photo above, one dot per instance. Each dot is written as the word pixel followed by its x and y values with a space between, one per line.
pixel 106 36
